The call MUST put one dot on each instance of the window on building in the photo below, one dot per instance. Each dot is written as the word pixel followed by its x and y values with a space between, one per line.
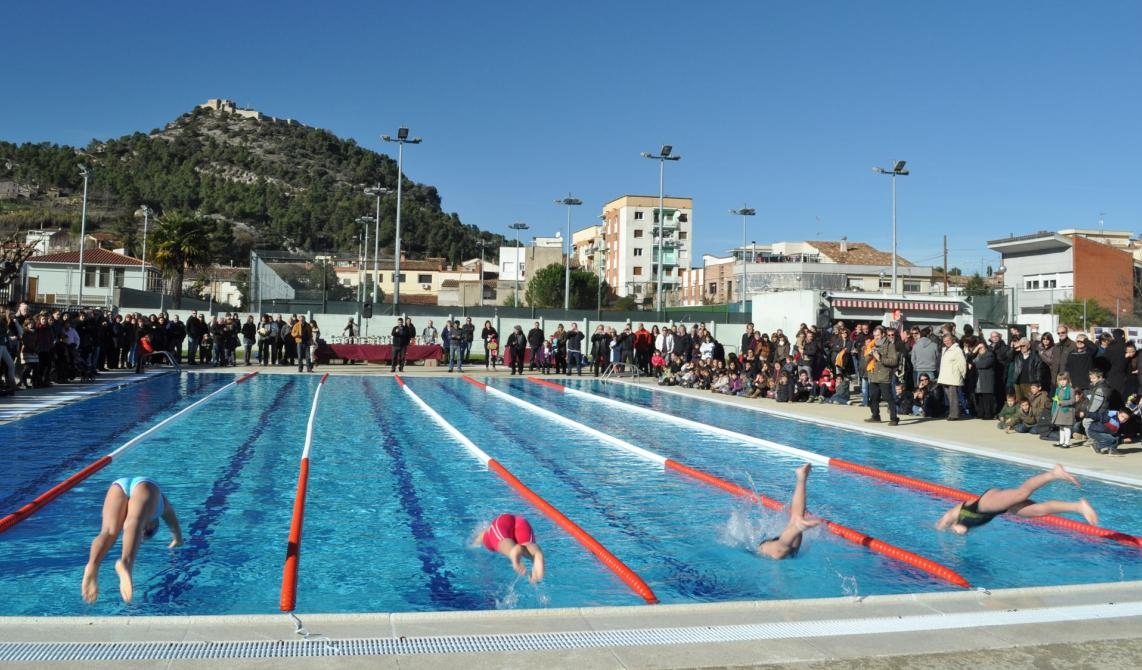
pixel 346 282
pixel 856 283
pixel 638 233
pixel 117 280
pixel 394 278
pixel 1031 284
pixel 713 288
pixel 911 286
pixel 683 218
pixel 636 270
pixel 424 279
pixel 885 282
pixel 638 216
pixel 638 251
pixel 682 234
pixel 89 275
pixel 104 277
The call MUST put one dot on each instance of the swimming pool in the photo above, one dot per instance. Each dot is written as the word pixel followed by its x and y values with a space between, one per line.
pixel 394 503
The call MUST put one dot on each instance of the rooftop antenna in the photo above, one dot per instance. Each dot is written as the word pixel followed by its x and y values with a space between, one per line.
pixel 1101 215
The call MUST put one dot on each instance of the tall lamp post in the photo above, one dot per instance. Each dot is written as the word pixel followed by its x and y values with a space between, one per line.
pixel 377 191
pixel 83 170
pixel 517 226
pixel 600 252
pixel 146 220
pixel 744 213
pixel 363 292
pixel 664 154
pixel 401 139
pixel 570 202
pixel 896 171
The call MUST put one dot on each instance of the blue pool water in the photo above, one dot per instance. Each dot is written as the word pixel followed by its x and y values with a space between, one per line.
pixel 395 503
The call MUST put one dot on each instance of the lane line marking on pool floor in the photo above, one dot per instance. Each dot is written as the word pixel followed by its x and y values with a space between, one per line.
pixel 898 435
pixel 323 645
pixel 17 407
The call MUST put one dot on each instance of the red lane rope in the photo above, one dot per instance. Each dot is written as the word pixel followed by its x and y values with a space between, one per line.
pixel 478 384
pixel 293 546
pixel 544 382
pixel 873 544
pixel 608 559
pixel 52 493
pixel 247 376
pixel 964 496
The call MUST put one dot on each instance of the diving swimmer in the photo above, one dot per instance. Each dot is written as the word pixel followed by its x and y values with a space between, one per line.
pixel 788 543
pixel 512 536
pixel 995 502
pixel 133 506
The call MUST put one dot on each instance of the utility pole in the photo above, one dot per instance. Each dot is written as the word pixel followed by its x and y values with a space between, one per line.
pixel 945 265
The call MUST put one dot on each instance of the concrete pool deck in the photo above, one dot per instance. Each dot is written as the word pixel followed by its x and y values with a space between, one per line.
pixel 1097 626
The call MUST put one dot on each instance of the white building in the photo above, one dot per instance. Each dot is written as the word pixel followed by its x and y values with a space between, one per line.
pixel 54 278
pixel 632 240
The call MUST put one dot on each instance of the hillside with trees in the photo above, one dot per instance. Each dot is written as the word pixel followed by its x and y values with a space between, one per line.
pixel 249 183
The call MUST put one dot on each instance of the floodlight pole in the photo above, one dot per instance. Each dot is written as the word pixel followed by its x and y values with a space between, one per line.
pixel 401 139
pixel 897 170
pixel 664 155
pixel 146 220
pixel 570 202
pixel 377 191
pixel 82 229
pixel 517 226
pixel 743 213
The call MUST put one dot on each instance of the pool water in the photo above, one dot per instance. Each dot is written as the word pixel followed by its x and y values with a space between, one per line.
pixel 395 503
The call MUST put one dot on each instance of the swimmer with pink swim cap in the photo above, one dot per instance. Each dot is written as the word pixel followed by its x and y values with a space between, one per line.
pixel 512 536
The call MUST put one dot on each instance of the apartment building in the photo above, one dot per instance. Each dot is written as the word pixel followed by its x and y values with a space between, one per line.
pixel 637 248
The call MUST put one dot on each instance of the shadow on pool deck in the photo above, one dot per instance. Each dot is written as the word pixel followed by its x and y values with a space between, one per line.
pixel 1095 626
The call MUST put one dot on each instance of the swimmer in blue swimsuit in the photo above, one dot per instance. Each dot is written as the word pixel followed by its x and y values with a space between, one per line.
pixel 995 502
pixel 788 543
pixel 133 506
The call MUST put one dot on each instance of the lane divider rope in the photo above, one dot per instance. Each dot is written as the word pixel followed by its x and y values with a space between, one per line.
pixel 293 546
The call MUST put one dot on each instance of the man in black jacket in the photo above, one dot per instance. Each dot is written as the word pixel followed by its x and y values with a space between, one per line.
pixel 401 337
pixel 195 330
pixel 535 339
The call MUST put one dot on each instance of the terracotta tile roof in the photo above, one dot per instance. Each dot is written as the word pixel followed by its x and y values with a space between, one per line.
pixel 858 253
pixel 414 299
pixel 450 283
pixel 90 257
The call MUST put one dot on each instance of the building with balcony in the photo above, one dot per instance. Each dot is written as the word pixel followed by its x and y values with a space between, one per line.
pixel 634 245
pixel 1042 268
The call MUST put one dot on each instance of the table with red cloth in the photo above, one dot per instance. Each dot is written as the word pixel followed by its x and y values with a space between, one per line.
pixel 377 353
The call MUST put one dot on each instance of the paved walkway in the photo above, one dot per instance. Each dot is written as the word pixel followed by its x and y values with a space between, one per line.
pixel 1095 626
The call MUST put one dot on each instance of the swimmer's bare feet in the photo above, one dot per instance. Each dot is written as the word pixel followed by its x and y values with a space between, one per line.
pixel 90 583
pixel 1060 473
pixel 126 582
pixel 1088 512
pixel 803 471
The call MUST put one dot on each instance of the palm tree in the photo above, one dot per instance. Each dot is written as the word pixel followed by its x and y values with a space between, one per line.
pixel 182 240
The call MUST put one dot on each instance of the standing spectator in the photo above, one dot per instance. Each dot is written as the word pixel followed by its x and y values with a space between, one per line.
pixel 984 363
pixel 882 360
pixel 490 335
pixel 429 335
pixel 643 345
pixel 925 354
pixel 1064 345
pixel 516 349
pixel 400 337
pixel 747 339
pixel 264 345
pixel 249 336
pixel 195 330
pixel 600 349
pixel 469 337
pixel 953 369
pixel 535 338
pixel 1044 346
pixel 302 336
pixel 278 332
pixel 1079 363
pixel 1002 354
pixel 575 348
pixel 456 346
pixel 1115 355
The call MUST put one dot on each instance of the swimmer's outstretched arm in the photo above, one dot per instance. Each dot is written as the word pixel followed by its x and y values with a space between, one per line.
pixel 171 520
pixel 950 519
pixel 536 562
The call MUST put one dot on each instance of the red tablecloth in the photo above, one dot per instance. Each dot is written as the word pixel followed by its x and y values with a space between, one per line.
pixel 378 353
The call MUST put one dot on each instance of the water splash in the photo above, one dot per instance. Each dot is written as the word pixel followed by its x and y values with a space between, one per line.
pixel 850 585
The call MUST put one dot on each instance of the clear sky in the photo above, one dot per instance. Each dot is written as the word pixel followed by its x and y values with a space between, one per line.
pixel 1013 116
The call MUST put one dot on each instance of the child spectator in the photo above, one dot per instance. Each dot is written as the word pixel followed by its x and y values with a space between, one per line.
pixel 784 389
pixel 1009 411
pixel 903 400
pixel 1025 419
pixel 841 394
pixel 1104 434
pixel 1063 410
pixel 826 385
pixel 803 387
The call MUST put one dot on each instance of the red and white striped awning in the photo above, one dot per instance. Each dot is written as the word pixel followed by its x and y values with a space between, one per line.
pixel 890 305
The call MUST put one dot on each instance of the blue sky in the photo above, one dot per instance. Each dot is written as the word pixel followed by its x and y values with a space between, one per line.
pixel 1013 117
